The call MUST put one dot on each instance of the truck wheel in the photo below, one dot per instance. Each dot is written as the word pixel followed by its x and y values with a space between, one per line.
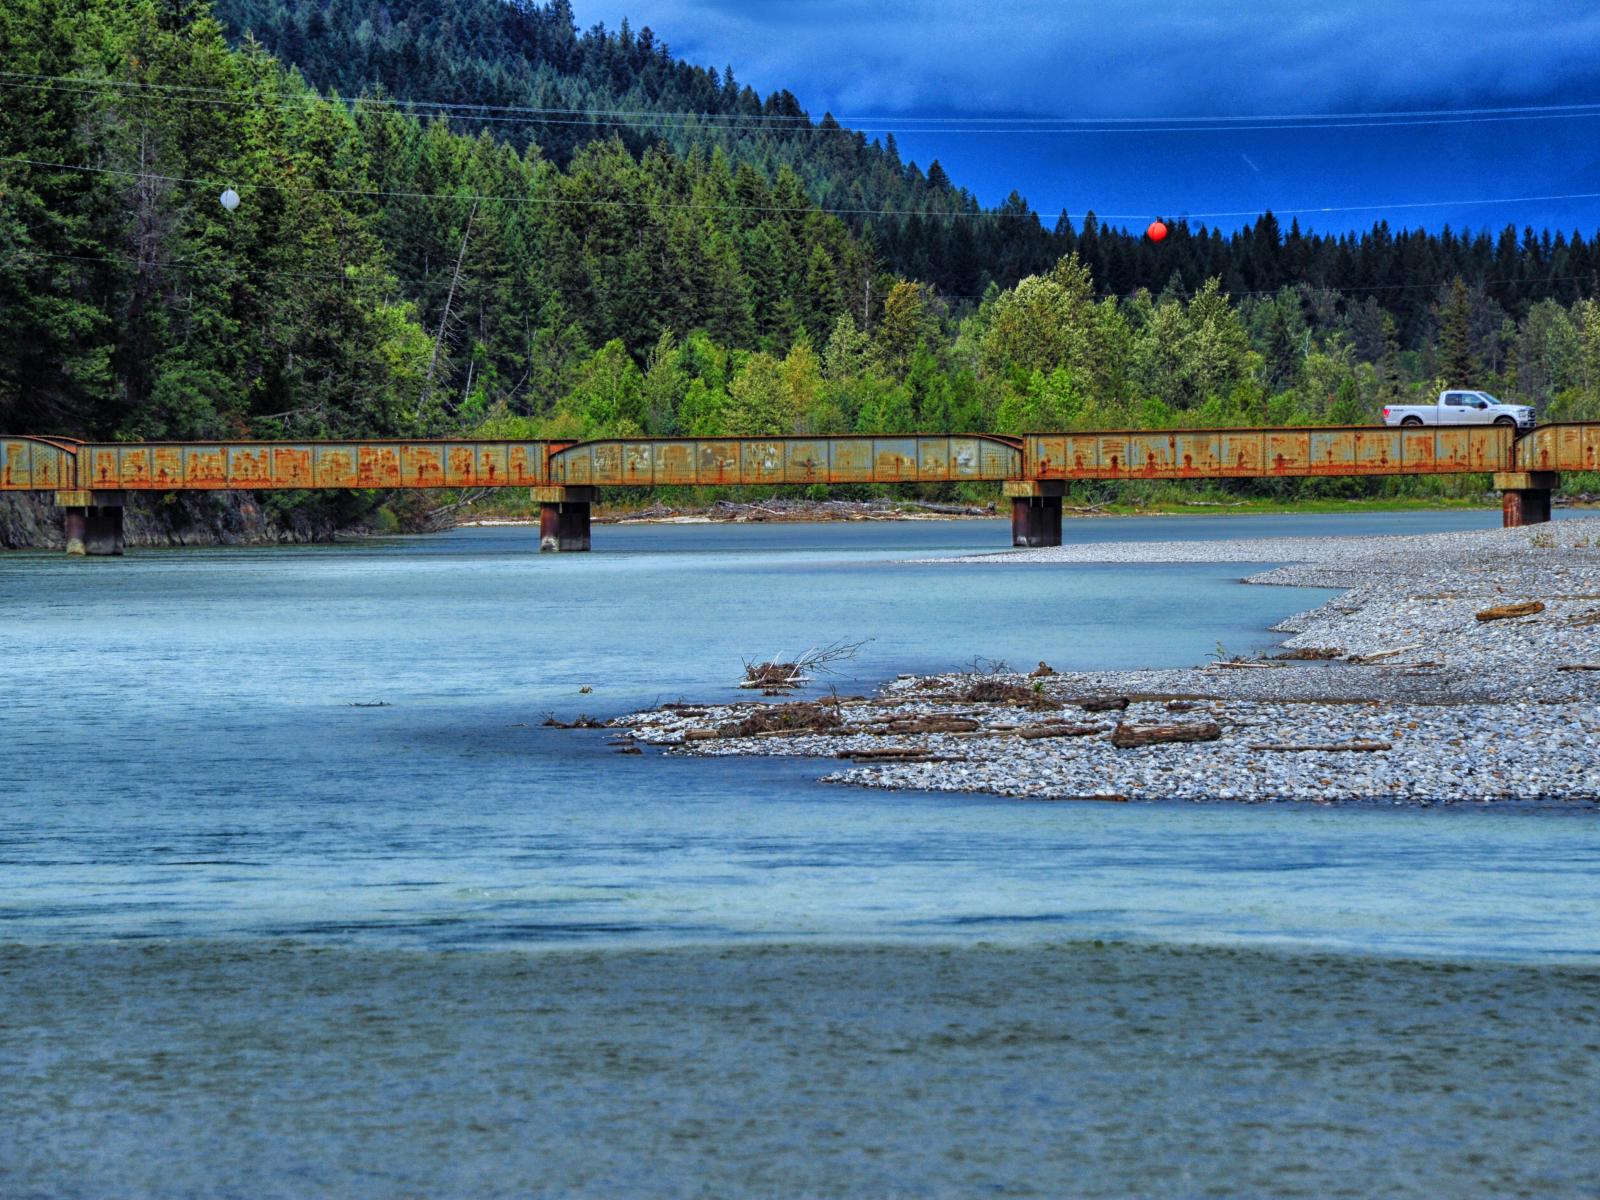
pixel 1505 420
pixel 1412 421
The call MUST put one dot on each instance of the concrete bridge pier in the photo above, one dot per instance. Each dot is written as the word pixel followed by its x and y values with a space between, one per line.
pixel 563 517
pixel 1525 496
pixel 93 522
pixel 1035 511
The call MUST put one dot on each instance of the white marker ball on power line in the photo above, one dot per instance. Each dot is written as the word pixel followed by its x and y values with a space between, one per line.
pixel 230 199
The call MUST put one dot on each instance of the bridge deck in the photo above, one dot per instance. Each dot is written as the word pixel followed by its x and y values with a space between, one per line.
pixel 45 464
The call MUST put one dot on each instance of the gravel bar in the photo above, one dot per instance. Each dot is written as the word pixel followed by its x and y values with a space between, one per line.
pixel 1399 693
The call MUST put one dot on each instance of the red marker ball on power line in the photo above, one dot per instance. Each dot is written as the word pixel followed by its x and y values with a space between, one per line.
pixel 1156 232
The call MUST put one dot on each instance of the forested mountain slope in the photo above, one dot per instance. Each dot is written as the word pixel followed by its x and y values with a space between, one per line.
pixel 525 73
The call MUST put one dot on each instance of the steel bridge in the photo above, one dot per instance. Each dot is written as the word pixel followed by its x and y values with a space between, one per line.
pixel 92 480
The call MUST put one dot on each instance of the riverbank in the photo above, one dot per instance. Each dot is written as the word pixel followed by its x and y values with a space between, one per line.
pixel 781 509
pixel 30 520
pixel 1394 691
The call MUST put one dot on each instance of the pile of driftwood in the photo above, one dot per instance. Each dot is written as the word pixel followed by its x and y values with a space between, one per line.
pixel 776 720
pixel 582 721
pixel 1016 695
pixel 779 674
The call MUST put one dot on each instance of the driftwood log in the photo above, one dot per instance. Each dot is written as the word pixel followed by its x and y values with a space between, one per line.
pixel 1054 730
pixel 1501 612
pixel 1375 656
pixel 1311 654
pixel 1296 747
pixel 1106 797
pixel 1104 704
pixel 886 753
pixel 929 724
pixel 898 754
pixel 1125 735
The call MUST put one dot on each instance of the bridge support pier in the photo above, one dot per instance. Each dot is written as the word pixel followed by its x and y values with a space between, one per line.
pixel 1525 496
pixel 92 522
pixel 1035 511
pixel 563 518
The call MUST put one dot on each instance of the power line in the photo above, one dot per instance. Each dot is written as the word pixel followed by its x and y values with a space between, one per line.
pixel 1481 111
pixel 802 123
pixel 199 94
pixel 690 206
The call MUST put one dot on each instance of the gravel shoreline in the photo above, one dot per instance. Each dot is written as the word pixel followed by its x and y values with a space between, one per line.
pixel 1446 708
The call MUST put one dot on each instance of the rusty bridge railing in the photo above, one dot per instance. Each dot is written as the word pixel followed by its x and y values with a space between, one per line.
pixel 60 464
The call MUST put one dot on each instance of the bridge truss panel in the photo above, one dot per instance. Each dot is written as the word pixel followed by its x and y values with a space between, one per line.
pixel 29 464
pixel 1266 453
pixel 1564 446
pixel 265 466
pixel 709 462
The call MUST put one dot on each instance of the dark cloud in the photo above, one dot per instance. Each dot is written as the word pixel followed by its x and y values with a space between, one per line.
pixel 1120 59
pixel 901 60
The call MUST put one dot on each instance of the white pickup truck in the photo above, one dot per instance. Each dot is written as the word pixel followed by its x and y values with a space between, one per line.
pixel 1460 408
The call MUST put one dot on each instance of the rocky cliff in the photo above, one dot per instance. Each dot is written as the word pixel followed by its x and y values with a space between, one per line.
pixel 30 520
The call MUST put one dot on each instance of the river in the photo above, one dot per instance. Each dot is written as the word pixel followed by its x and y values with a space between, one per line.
pixel 263 937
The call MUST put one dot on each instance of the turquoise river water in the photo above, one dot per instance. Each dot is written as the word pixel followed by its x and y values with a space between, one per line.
pixel 259 939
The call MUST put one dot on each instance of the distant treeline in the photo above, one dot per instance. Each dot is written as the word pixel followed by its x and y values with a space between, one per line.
pixel 391 273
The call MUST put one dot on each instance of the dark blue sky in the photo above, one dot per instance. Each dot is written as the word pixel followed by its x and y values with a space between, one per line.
pixel 930 72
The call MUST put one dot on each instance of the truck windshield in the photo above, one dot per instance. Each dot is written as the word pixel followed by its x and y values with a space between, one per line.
pixel 1489 398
